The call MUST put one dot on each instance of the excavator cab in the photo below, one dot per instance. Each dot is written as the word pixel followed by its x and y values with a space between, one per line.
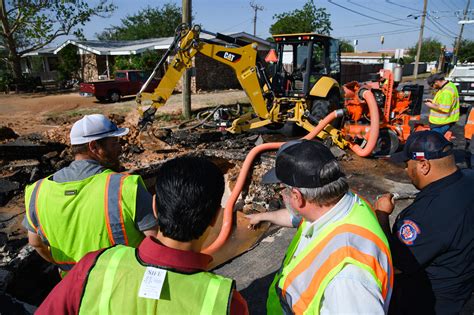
pixel 303 59
pixel 309 68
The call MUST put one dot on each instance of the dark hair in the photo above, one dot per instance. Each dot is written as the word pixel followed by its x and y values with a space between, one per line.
pixel 188 195
pixel 434 77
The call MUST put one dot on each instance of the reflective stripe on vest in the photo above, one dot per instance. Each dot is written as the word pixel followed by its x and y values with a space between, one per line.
pixel 32 213
pixel 114 282
pixel 356 239
pixel 304 282
pixel 469 127
pixel 110 185
pixel 113 209
pixel 32 216
pixel 448 113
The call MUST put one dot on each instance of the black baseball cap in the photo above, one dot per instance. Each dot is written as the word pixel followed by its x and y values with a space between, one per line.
pixel 434 77
pixel 299 163
pixel 424 145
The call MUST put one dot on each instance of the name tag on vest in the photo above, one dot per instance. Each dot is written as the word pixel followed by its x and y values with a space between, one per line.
pixel 152 283
pixel 70 192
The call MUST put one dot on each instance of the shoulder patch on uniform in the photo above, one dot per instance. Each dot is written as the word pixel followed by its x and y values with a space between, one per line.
pixel 408 232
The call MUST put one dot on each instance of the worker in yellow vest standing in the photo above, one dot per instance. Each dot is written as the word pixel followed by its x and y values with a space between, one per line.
pixel 167 273
pixel 338 261
pixel 88 205
pixel 444 108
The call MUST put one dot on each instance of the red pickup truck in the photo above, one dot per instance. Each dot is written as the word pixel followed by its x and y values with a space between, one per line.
pixel 126 82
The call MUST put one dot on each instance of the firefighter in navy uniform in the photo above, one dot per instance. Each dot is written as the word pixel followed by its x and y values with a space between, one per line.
pixel 432 240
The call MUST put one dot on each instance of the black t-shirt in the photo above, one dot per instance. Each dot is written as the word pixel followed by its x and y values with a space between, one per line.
pixel 432 244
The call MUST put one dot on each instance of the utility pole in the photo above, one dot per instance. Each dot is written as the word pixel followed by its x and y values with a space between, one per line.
pixel 458 42
pixel 255 8
pixel 186 13
pixel 420 39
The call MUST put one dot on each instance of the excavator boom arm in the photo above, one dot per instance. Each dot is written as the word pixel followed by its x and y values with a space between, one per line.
pixel 243 60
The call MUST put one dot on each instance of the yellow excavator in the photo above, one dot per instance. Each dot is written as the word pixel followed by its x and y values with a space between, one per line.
pixel 299 84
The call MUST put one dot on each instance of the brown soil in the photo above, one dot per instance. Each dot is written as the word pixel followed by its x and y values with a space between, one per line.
pixel 29 113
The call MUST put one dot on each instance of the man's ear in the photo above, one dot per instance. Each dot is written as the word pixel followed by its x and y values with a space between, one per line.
pixel 155 213
pixel 93 147
pixel 425 167
pixel 297 196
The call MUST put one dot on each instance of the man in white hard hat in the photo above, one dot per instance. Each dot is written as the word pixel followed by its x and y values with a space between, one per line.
pixel 88 205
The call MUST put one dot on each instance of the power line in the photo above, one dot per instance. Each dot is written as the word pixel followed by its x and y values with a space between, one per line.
pixel 231 27
pixel 394 32
pixel 374 23
pixel 440 27
pixel 402 6
pixel 367 16
pixel 373 10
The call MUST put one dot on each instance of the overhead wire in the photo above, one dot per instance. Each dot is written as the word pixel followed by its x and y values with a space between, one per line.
pixel 377 11
pixel 373 23
pixel 402 6
pixel 231 27
pixel 362 14
pixel 440 27
pixel 394 32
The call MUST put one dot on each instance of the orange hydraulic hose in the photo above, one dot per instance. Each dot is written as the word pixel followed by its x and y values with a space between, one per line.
pixel 229 208
pixel 374 126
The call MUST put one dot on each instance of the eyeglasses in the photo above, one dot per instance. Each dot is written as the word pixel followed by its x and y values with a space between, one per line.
pixel 280 189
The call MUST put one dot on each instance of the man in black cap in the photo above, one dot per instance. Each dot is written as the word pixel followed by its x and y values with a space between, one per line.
pixel 444 108
pixel 432 240
pixel 339 260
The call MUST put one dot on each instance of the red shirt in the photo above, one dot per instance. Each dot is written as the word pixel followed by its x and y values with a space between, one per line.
pixel 65 298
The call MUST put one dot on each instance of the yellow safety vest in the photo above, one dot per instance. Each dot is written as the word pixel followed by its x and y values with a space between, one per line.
pixel 74 218
pixel 113 286
pixel 448 100
pixel 356 239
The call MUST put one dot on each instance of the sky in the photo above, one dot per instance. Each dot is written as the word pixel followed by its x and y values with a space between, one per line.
pixel 365 20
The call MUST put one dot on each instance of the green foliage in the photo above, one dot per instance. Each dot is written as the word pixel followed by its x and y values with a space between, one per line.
pixel 28 25
pixel 147 23
pixel 430 50
pixel 36 63
pixel 38 22
pixel 146 61
pixel 5 80
pixel 69 63
pixel 466 51
pixel 346 45
pixel 310 19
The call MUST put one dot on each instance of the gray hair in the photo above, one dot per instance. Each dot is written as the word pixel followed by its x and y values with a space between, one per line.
pixel 335 188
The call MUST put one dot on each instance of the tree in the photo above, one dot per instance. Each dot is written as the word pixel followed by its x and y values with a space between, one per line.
pixel 147 23
pixel 28 25
pixel 430 50
pixel 145 61
pixel 69 63
pixel 346 45
pixel 307 20
pixel 466 51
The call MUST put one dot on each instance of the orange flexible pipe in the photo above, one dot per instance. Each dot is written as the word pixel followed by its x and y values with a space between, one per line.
pixel 229 208
pixel 374 126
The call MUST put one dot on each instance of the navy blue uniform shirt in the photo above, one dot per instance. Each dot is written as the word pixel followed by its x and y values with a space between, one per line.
pixel 432 244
